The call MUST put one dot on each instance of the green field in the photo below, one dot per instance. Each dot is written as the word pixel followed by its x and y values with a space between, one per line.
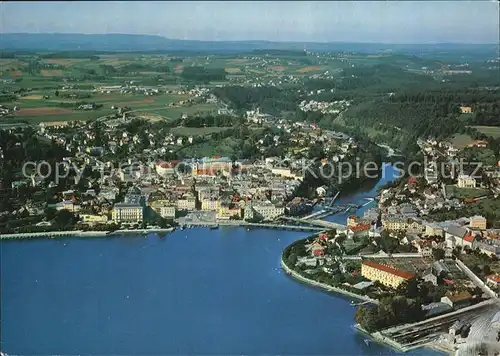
pixel 461 141
pixel 461 193
pixel 492 131
pixel 196 131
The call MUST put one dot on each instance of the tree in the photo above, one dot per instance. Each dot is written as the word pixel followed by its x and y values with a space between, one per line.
pixel 438 254
pixel 50 213
pixel 486 270
pixel 64 219
pixel 477 292
pixel 387 243
pixel 409 288
pixel 341 238
pixel 57 93
pixel 292 260
pixel 367 317
pixel 331 233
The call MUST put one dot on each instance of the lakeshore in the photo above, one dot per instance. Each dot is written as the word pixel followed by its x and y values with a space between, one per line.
pixel 102 233
pixel 80 233
pixel 324 286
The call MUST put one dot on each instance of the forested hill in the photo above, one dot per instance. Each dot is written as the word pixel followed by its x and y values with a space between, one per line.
pixel 126 42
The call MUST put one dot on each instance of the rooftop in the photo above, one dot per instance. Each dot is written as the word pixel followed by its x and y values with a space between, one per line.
pixel 494 277
pixel 458 296
pixel 388 269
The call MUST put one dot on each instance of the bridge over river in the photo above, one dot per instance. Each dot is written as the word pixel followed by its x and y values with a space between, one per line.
pixel 316 222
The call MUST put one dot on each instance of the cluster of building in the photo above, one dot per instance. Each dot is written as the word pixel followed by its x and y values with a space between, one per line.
pixel 324 107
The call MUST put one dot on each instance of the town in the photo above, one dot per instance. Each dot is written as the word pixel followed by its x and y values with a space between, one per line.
pixel 145 144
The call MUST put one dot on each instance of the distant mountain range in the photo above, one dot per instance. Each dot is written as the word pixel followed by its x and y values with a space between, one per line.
pixel 121 42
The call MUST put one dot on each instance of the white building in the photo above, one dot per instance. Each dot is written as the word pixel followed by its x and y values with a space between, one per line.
pixel 127 213
pixel 167 212
pixel 187 202
pixel 265 211
pixel 465 181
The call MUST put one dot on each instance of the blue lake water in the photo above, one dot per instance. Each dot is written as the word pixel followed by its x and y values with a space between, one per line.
pixel 194 292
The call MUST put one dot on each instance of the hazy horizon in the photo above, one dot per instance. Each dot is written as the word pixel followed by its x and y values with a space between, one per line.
pixel 394 22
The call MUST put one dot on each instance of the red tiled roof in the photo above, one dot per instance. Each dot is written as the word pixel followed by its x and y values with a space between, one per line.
pixel 318 252
pixel 323 236
pixel 469 237
pixel 361 227
pixel 388 269
pixel 206 172
pixel 494 277
pixel 458 296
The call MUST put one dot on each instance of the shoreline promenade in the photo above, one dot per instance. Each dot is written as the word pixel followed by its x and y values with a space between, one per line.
pixel 324 286
pixel 80 233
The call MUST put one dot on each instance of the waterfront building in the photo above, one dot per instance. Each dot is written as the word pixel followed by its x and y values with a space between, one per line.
pixel 264 211
pixel 127 213
pixel 226 212
pixel 387 275
pixel 186 202
pixel 167 212
pixel 93 219
pixel 466 181
pixel 210 204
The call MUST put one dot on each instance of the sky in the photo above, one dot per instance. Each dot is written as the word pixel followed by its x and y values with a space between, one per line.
pixel 343 21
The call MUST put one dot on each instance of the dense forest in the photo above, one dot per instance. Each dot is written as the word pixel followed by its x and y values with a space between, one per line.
pixel 388 103
pixel 269 99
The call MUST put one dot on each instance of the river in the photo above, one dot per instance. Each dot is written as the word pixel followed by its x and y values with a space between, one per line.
pixel 194 292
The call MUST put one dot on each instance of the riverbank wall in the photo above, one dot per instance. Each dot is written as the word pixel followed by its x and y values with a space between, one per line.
pixel 80 233
pixel 324 286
